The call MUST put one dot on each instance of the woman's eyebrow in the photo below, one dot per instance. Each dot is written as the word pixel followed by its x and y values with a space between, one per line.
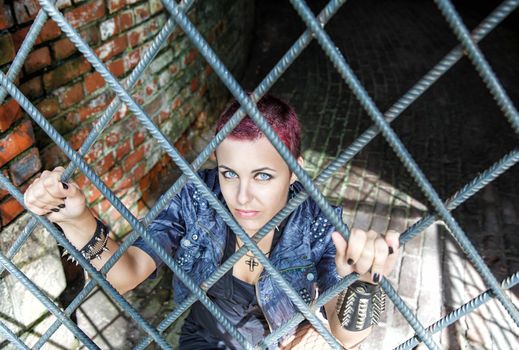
pixel 225 167
pixel 263 169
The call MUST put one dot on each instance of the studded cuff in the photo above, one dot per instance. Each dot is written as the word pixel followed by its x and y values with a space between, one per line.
pixel 360 306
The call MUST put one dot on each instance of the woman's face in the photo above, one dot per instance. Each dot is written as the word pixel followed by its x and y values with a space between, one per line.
pixel 254 180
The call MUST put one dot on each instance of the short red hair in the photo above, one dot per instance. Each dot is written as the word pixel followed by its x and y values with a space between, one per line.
pixel 280 116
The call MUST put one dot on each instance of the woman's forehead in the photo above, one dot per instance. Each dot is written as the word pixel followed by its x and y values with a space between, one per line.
pixel 248 153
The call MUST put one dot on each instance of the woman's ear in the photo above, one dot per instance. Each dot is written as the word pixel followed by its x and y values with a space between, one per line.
pixel 301 163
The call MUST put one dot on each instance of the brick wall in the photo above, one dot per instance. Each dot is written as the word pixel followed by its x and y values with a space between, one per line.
pixel 179 91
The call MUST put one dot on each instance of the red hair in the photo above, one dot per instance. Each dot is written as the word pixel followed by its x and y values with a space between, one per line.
pixel 280 116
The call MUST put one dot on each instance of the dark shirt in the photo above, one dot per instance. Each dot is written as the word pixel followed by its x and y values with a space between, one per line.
pixel 238 303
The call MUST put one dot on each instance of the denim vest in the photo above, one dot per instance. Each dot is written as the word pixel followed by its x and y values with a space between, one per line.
pixel 191 230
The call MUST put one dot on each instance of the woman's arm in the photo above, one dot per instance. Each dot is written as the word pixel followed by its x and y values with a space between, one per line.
pixel 372 256
pixel 65 205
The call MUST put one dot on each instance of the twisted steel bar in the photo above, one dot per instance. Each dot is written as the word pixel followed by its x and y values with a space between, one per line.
pixel 253 112
pixel 403 154
pixel 480 63
pixel 26 232
pixel 303 41
pixel 464 193
pixel 9 335
pixel 463 310
pixel 71 154
pixel 421 332
pixel 25 49
pixel 19 275
pixel 69 31
pixel 163 142
pixel 90 139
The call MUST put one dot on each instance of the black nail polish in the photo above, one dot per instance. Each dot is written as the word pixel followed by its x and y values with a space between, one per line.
pixel 61 206
pixel 65 186
pixel 376 277
pixel 55 210
pixel 350 261
pixel 391 251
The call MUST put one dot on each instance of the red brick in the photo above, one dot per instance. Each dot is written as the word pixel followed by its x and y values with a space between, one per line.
pixel 78 137
pixel 81 180
pixel 63 48
pixel 65 73
pixel 70 95
pixel 6 17
pixel 139 172
pixel 19 36
pixel 117 67
pixel 190 56
pixel 134 158
pixel 24 168
pixel 112 138
pixel 112 48
pixel 52 156
pixel 3 191
pixel 96 152
pixel 86 13
pixel 16 141
pixel 114 5
pixel 32 88
pixel 123 149
pixel 116 25
pixel 6 48
pixel 37 59
pixel 176 103
pixel 103 165
pixel 94 82
pixel 142 12
pixel 49 31
pixel 155 6
pixel 9 112
pixel 131 59
pixel 25 10
pixel 92 194
pixel 9 210
pixel 113 176
pixel 49 107
pixel 138 138
pixel 154 106
pixel 194 85
pixel 94 106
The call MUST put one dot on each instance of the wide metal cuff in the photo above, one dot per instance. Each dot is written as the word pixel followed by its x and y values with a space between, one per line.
pixel 360 306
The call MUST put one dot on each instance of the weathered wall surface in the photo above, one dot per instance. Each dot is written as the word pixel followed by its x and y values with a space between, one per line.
pixel 178 91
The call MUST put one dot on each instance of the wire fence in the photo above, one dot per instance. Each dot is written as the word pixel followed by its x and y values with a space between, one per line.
pixel 381 125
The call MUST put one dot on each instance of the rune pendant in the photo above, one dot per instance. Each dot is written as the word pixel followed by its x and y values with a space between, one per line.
pixel 252 263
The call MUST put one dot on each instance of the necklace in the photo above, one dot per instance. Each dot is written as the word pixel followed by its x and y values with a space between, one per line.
pixel 251 261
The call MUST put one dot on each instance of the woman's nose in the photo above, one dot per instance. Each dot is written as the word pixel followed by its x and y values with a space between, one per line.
pixel 244 195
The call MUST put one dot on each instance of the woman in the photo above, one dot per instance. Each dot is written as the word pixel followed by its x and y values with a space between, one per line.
pixel 255 183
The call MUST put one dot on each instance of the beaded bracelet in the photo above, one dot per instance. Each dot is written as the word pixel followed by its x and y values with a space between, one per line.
pixel 96 246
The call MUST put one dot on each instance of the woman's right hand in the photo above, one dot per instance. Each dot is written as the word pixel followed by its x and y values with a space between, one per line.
pixel 60 202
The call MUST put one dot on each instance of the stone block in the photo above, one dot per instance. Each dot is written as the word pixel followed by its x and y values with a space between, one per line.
pixel 39 260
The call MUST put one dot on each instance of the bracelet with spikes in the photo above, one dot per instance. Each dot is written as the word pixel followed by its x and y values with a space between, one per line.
pixel 96 246
pixel 360 306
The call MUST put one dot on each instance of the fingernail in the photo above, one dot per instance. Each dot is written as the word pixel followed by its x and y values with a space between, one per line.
pixel 65 186
pixel 61 205
pixel 391 251
pixel 350 261
pixel 55 210
pixel 376 277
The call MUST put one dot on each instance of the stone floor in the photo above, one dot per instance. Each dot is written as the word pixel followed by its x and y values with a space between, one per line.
pixel 454 131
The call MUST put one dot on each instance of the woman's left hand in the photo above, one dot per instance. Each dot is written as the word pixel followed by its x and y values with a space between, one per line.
pixel 369 254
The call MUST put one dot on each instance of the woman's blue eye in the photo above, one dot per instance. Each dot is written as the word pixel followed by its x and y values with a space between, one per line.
pixel 263 176
pixel 229 174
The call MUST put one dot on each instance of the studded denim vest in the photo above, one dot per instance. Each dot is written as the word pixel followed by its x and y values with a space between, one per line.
pixel 194 234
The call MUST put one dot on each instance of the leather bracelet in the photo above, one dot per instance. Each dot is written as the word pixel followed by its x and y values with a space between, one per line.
pixel 96 246
pixel 360 306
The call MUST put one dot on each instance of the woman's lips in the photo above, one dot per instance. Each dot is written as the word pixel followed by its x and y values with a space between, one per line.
pixel 246 214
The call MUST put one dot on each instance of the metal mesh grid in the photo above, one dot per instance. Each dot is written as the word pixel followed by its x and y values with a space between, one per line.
pixel 468 45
